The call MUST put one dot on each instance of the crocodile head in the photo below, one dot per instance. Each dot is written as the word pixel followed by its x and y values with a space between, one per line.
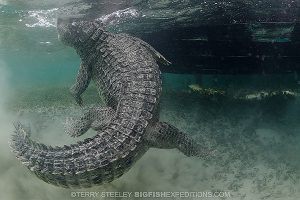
pixel 72 31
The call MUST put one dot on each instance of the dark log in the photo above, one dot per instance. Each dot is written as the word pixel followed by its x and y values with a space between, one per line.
pixel 230 49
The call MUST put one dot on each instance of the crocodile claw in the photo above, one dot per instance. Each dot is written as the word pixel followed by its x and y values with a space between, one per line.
pixel 79 100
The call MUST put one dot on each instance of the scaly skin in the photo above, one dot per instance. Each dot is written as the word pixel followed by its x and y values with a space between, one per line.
pixel 125 70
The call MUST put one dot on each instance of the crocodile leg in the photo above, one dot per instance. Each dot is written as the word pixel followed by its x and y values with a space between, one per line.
pixel 96 118
pixel 158 57
pixel 167 136
pixel 82 81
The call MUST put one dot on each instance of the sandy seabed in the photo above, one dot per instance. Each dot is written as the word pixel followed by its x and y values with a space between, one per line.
pixel 257 148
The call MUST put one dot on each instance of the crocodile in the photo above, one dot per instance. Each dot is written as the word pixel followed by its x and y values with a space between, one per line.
pixel 126 72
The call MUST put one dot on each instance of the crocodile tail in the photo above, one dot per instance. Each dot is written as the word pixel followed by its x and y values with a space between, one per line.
pixel 22 145
pixel 33 155
pixel 80 165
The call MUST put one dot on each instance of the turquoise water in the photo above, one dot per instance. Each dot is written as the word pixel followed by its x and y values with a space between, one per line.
pixel 257 142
